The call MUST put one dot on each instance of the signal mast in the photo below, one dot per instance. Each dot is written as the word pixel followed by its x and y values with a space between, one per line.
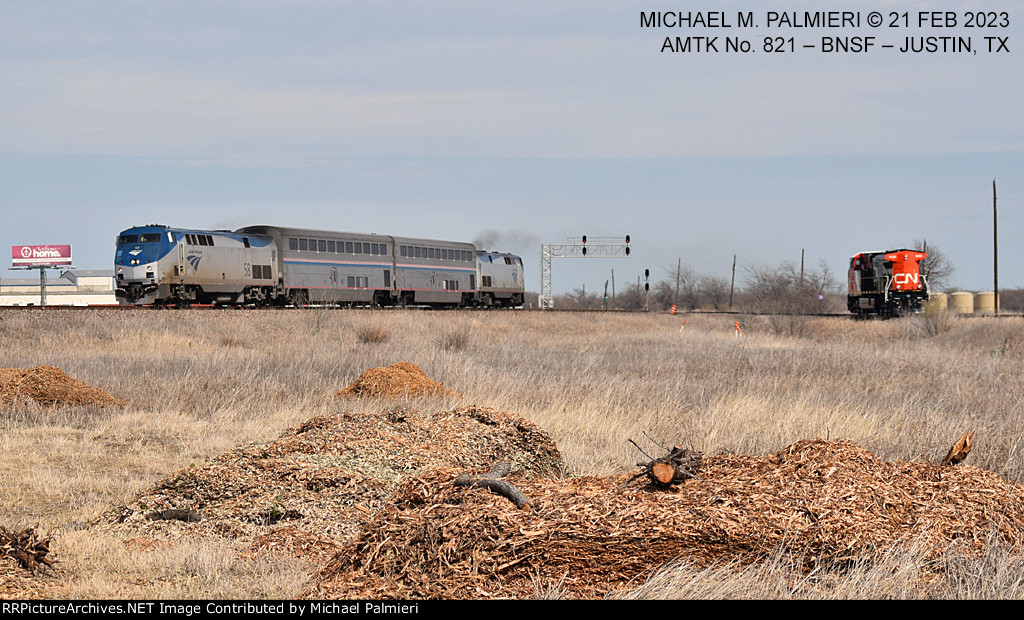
pixel 576 247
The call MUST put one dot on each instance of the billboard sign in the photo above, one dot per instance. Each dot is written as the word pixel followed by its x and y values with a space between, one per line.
pixel 41 255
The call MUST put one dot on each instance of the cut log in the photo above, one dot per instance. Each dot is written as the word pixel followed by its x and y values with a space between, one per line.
pixel 663 472
pixel 678 466
pixel 493 483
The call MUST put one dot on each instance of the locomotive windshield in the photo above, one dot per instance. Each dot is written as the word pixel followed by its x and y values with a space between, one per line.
pixel 145 238
pixel 134 248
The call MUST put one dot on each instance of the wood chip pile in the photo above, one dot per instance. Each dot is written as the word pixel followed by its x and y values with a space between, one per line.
pixel 395 381
pixel 48 385
pixel 312 489
pixel 822 501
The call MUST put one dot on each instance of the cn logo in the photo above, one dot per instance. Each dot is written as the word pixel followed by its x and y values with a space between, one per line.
pixel 905 278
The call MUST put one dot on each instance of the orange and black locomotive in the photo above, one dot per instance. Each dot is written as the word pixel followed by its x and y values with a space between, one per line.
pixel 887 284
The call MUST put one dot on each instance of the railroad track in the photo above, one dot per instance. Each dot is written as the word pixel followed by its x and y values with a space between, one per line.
pixel 120 308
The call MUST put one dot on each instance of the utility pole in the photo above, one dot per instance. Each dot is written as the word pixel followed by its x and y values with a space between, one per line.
pixel 995 248
pixel 679 272
pixel 801 269
pixel 733 285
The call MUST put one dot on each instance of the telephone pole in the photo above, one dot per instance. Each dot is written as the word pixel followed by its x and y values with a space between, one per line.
pixel 802 269
pixel 995 248
pixel 733 285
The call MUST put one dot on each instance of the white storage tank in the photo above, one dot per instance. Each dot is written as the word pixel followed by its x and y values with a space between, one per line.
pixel 961 302
pixel 986 303
pixel 937 303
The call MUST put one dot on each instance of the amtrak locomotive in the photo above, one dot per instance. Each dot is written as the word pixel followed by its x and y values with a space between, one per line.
pixel 275 266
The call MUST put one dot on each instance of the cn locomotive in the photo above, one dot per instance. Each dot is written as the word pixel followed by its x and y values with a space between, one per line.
pixel 260 266
pixel 887 284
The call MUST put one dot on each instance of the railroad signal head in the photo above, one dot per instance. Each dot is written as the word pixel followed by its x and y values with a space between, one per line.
pixel 584 250
pixel 584 238
pixel 627 238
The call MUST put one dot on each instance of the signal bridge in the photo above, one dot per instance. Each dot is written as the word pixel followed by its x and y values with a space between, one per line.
pixel 576 247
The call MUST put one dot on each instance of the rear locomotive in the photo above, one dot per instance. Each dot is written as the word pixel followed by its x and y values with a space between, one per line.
pixel 887 284
pixel 501 280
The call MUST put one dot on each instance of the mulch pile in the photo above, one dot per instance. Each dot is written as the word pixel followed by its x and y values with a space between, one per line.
pixel 48 385
pixel 311 490
pixel 823 501
pixel 373 500
pixel 395 381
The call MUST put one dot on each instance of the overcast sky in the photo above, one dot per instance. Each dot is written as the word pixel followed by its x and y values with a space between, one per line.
pixel 516 124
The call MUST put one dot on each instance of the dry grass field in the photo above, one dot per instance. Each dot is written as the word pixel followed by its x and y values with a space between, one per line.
pixel 199 383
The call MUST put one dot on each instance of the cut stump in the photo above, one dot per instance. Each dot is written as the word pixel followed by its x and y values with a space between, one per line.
pixel 678 466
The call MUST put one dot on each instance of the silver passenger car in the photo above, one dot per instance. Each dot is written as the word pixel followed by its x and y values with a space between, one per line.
pixel 325 267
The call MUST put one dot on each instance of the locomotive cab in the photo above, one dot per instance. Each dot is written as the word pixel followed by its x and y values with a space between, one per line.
pixel 137 258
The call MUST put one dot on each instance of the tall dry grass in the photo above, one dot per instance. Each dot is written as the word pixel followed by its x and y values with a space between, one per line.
pixel 200 382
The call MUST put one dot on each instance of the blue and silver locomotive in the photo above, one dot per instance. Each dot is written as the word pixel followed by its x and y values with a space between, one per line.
pixel 276 266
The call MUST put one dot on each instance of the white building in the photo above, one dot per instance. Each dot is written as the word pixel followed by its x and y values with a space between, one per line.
pixel 81 287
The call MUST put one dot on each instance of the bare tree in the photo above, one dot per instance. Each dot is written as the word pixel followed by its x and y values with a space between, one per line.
pixel 937 269
pixel 688 290
pixel 782 290
pixel 578 299
pixel 714 291
pixel 682 280
pixel 784 297
pixel 632 298
pixel 662 295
